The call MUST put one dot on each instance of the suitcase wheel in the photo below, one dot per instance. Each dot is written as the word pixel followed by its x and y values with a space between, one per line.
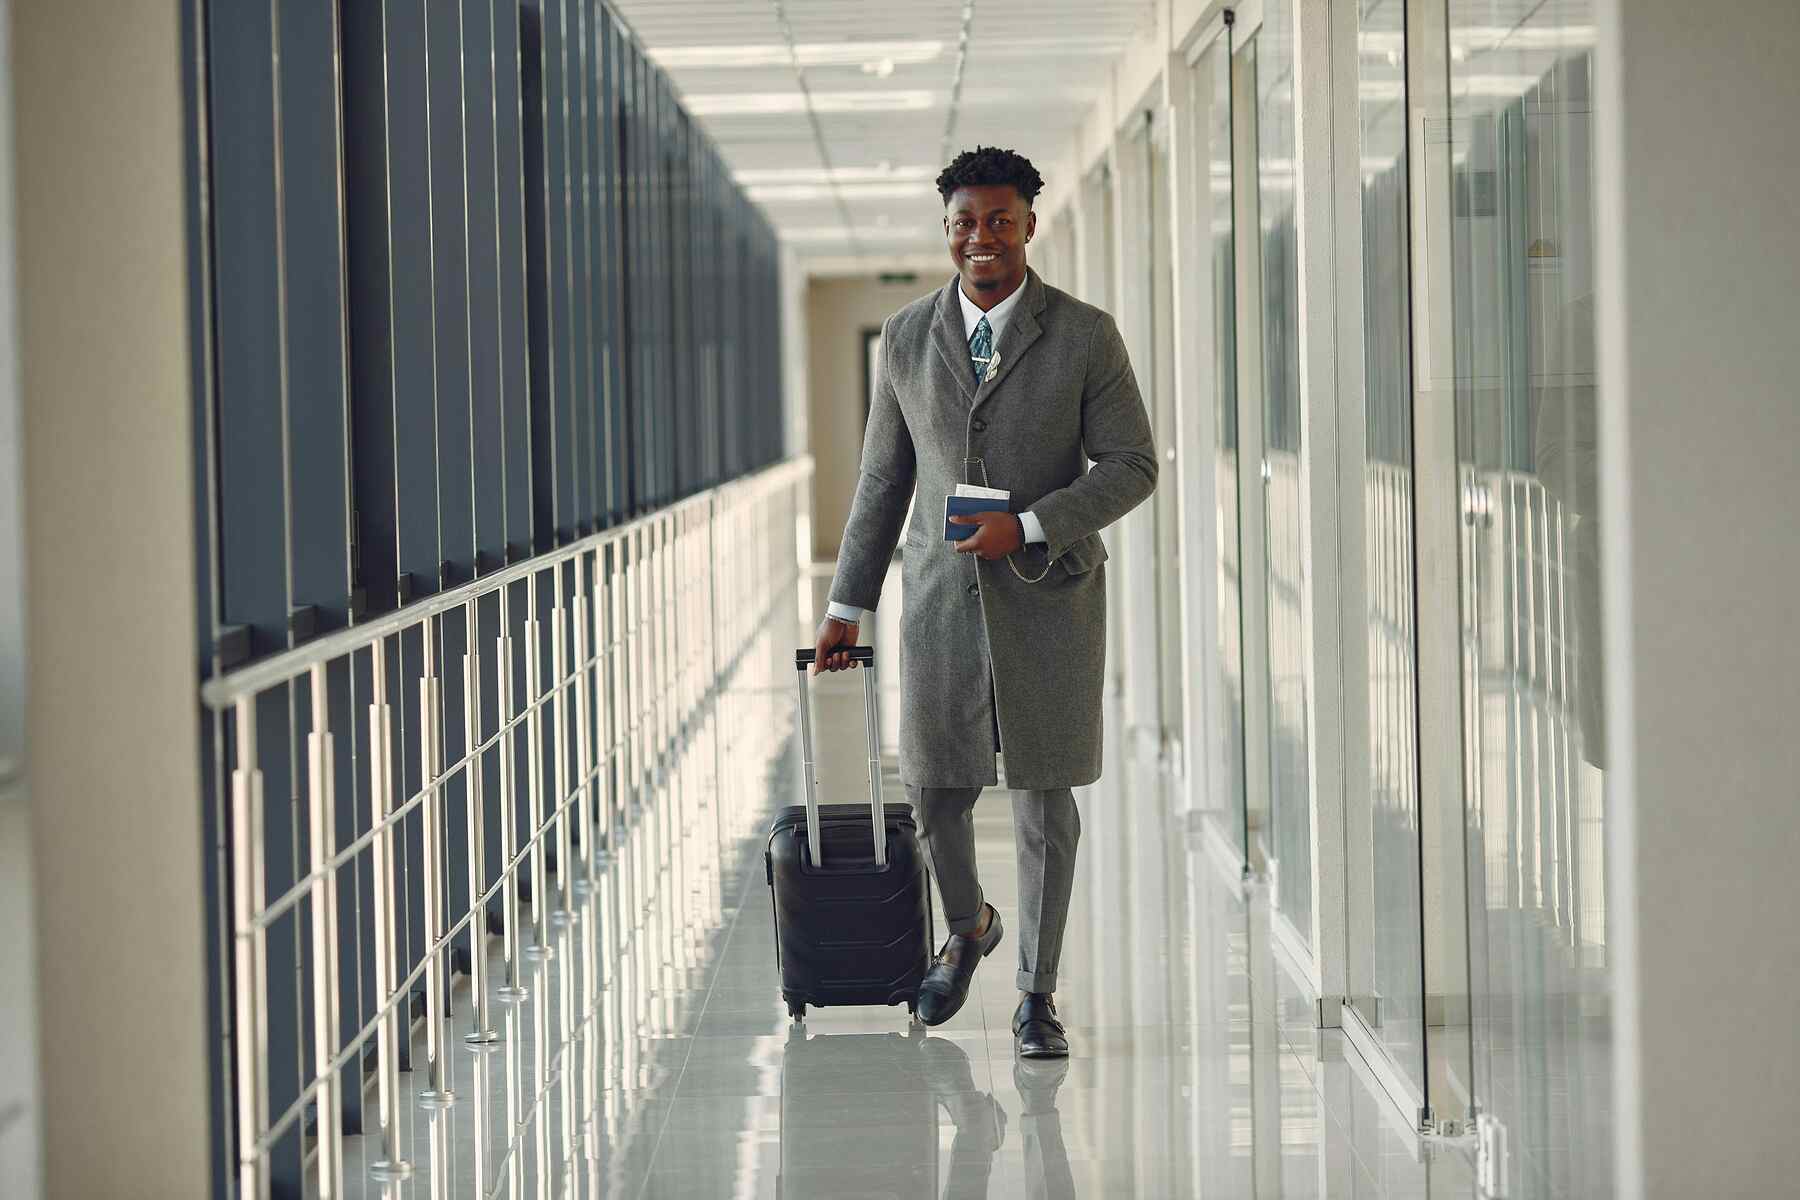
pixel 797 1009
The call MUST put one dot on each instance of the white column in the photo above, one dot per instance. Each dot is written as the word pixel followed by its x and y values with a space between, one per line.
pixel 1699 446
pixel 110 569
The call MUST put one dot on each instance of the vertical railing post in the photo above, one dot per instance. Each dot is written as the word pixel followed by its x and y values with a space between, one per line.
pixel 321 784
pixel 248 962
pixel 616 752
pixel 559 741
pixel 514 988
pixel 388 1028
pixel 510 934
pixel 431 764
pixel 483 1032
pixel 716 677
pixel 603 658
pixel 587 818
pixel 534 773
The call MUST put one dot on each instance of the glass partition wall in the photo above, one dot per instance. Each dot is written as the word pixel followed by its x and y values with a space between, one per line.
pixel 1266 55
pixel 1385 968
pixel 1520 85
pixel 1217 612
pixel 1471 947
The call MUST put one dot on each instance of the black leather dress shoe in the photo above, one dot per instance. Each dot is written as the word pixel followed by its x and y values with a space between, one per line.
pixel 946 982
pixel 1036 1031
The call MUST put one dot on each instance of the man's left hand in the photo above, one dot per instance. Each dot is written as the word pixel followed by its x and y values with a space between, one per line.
pixel 1000 534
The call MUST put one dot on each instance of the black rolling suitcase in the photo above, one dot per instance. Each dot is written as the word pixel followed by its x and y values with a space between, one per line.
pixel 852 912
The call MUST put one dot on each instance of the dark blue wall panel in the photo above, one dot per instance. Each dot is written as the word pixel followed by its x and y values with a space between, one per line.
pixel 468 284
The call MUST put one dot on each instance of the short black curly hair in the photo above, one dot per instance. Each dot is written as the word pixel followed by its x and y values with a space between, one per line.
pixel 988 166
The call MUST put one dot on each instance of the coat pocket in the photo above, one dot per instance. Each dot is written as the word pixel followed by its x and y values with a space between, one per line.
pixel 1083 554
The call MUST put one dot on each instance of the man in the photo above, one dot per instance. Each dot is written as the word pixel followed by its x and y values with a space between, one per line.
pixel 998 380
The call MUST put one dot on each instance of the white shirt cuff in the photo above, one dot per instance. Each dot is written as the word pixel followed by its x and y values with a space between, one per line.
pixel 1033 531
pixel 844 612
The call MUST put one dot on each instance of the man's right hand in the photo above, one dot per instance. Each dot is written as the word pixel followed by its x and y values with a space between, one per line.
pixel 832 651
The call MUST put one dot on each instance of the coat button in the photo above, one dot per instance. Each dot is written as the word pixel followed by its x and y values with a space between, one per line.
pixel 974 589
pixel 978 424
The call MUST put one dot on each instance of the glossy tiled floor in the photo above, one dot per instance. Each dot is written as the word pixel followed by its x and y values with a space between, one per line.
pixel 653 1056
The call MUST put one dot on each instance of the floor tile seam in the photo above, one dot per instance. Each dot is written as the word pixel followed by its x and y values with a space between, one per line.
pixel 675 1090
pixel 1332 1111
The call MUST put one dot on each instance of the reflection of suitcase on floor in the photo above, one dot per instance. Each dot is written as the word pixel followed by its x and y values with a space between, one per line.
pixel 829 1104
pixel 852 912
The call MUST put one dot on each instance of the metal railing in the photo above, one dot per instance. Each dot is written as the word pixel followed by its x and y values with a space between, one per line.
pixel 615 664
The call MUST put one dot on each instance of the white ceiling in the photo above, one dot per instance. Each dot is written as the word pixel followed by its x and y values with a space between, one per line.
pixel 844 164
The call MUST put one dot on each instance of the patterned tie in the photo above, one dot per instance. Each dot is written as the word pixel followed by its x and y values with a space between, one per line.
pixel 981 349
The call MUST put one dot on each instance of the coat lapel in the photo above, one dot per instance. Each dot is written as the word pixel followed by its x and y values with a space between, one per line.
pixel 1020 334
pixel 947 336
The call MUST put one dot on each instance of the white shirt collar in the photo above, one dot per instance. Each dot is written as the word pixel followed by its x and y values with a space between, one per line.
pixel 997 316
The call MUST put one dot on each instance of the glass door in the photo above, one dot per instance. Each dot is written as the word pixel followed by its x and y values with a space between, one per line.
pixel 1209 179
pixel 1520 82
pixel 1386 967
pixel 1266 62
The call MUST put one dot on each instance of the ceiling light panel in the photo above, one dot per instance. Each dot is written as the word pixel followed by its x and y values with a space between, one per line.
pixel 811 54
pixel 775 193
pixel 756 177
pixel 1033 70
pixel 725 104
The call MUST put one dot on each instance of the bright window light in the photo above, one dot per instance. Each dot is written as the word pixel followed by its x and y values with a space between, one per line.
pixel 880 173
pixel 811 54
pixel 864 233
pixel 779 192
pixel 725 104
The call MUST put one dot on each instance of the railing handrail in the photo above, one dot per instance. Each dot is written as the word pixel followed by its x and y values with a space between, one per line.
pixel 616 722
pixel 222 692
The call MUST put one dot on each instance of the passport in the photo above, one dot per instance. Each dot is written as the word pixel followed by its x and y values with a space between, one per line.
pixel 962 506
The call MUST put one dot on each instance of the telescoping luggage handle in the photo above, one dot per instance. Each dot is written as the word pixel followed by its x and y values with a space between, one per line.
pixel 865 657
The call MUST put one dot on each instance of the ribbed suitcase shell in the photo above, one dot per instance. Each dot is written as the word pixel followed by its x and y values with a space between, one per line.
pixel 849 932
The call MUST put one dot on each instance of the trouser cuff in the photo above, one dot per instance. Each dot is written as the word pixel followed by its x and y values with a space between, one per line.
pixel 965 926
pixel 1037 981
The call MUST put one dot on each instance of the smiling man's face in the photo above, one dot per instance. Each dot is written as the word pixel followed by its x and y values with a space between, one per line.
pixel 987 228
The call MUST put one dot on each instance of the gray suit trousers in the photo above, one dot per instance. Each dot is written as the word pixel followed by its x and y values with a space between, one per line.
pixel 1046 831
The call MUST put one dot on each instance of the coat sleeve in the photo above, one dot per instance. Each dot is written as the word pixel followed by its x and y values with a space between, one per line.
pixel 1115 434
pixel 884 489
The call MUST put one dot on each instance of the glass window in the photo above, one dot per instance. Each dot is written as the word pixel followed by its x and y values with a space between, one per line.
pixel 1386 968
pixel 1522 221
pixel 1284 519
pixel 1210 102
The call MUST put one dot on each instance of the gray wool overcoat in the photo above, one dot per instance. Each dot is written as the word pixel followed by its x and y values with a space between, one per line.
pixel 1063 393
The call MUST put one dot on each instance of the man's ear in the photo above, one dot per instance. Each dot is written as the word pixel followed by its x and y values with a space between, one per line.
pixel 1030 225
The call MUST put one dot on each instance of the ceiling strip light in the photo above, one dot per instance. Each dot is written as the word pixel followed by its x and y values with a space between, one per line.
pixel 787 33
pixel 962 62
pixel 810 54
pixel 737 104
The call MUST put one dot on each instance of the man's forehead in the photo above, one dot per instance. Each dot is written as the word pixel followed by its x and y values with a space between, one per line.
pixel 971 199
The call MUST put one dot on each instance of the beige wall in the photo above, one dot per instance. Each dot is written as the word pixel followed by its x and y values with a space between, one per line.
pixel 109 569
pixel 837 312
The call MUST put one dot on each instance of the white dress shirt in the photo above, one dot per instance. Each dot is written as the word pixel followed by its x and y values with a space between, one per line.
pixel 997 317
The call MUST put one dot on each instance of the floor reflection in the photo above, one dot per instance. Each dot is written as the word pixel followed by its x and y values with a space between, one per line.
pixel 651 1055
